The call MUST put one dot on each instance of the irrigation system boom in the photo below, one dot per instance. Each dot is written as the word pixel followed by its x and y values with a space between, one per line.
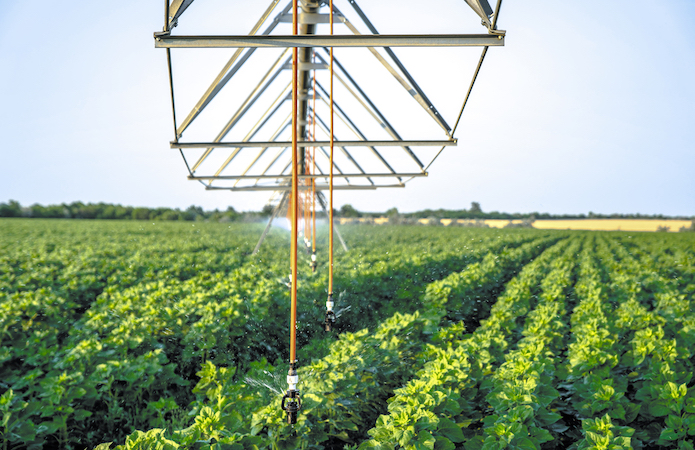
pixel 298 170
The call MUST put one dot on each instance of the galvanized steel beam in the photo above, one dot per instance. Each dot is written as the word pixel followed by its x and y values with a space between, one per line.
pixel 304 176
pixel 304 41
pixel 319 187
pixel 269 144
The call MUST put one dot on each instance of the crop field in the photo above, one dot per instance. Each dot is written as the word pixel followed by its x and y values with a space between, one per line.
pixel 142 335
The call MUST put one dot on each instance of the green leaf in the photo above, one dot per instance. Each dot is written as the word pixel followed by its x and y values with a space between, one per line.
pixel 659 409
pixel 443 443
pixel 546 417
pixel 425 441
pixel 631 412
pixel 541 435
pixel 674 421
pixel 81 414
pixel 450 430
pixel 232 421
pixel 670 434
pixel 526 444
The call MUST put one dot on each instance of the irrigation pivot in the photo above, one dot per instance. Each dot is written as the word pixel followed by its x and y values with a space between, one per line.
pixel 300 168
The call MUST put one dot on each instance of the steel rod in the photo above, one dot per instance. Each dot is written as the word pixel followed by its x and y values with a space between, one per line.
pixel 270 144
pixel 267 115
pixel 243 109
pixel 391 131
pixel 319 187
pixel 228 71
pixel 270 222
pixel 280 130
pixel 428 107
pixel 304 176
pixel 327 130
pixel 383 40
pixel 431 108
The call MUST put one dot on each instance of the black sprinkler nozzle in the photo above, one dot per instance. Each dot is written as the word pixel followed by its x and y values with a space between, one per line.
pixel 291 403
pixel 329 321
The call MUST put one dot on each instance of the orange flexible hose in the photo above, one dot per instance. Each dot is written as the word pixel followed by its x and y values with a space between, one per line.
pixel 295 188
pixel 313 166
pixel 330 184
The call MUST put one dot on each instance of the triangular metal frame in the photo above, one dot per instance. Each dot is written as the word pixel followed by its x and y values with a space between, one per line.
pixel 232 176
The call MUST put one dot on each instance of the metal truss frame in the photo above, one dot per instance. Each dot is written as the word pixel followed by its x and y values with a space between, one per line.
pixel 310 46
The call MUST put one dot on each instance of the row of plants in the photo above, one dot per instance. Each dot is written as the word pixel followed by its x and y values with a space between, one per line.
pixel 111 327
pixel 657 318
pixel 441 405
pixel 86 317
pixel 592 392
pixel 674 257
pixel 345 391
pixel 619 360
pixel 523 388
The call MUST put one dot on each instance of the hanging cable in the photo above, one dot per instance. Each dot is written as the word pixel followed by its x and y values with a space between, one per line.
pixel 330 315
pixel 313 172
pixel 291 403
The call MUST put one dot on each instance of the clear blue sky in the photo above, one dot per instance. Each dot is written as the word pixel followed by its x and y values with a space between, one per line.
pixel 590 106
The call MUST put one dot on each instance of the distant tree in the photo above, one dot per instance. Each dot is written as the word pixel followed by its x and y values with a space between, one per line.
pixel 231 215
pixel 691 228
pixel 123 212
pixel 11 209
pixel 141 214
pixel 347 210
pixel 192 212
pixel 108 212
pixel 169 215
pixel 475 208
pixel 265 212
pixel 393 212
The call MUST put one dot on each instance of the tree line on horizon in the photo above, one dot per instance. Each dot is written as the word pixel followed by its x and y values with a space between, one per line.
pixel 108 211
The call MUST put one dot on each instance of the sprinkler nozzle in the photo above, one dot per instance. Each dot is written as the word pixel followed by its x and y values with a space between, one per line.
pixel 329 322
pixel 291 403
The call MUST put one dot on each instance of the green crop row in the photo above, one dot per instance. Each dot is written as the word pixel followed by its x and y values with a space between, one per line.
pixel 115 319
pixel 173 328
pixel 595 395
pixel 523 386
pixel 329 417
pixel 445 396
pixel 658 321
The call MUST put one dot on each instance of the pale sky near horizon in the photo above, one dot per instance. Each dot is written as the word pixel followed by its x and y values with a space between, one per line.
pixel 590 105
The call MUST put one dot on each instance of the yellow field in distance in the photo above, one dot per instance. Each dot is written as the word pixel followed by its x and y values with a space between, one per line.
pixel 611 224
pixel 572 224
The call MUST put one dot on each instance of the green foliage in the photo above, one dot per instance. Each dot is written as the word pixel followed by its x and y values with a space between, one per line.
pixel 448 338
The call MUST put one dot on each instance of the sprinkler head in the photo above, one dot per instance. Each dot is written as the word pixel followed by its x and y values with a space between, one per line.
pixel 291 403
pixel 329 321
